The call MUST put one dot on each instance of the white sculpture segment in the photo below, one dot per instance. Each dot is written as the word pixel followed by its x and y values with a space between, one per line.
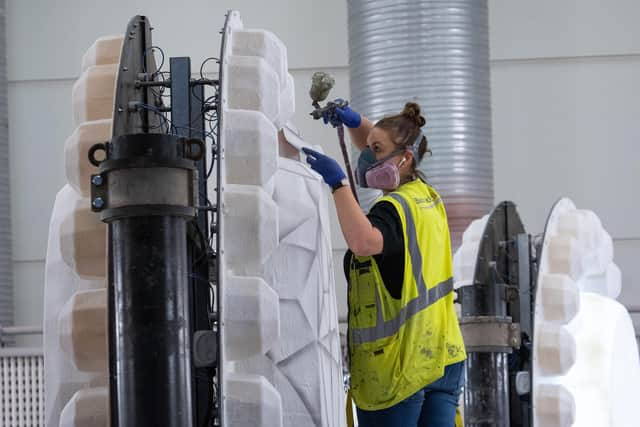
pixel 75 327
pixel 281 353
pixel 303 362
pixel 585 353
pixel 62 377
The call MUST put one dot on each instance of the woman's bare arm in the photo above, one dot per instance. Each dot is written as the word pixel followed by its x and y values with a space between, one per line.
pixel 359 135
pixel 362 238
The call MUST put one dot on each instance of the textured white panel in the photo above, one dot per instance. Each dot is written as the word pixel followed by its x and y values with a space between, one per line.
pixel 556 349
pixel 287 102
pixel 607 367
pixel 304 365
pixel 474 232
pixel 567 256
pixel 251 227
pixel 464 263
pixel 251 150
pixel 105 50
pixel 62 378
pixel 554 406
pixel 93 94
pixel 253 85
pixel 560 298
pixel 251 401
pixel 590 364
pixel 83 325
pixel 83 240
pixel 464 259
pixel 78 169
pixel 252 318
pixel 87 408
pixel 264 44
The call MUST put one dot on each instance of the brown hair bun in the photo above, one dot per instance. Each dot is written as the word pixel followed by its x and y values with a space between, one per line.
pixel 412 112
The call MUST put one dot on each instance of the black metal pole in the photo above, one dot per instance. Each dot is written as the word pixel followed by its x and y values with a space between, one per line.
pixel 486 395
pixel 489 321
pixel 144 191
pixel 152 339
pixel 486 398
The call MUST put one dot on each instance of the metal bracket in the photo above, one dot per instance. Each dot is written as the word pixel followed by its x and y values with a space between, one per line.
pixel 490 334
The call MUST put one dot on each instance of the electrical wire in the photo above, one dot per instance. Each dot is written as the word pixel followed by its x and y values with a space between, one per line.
pixel 204 62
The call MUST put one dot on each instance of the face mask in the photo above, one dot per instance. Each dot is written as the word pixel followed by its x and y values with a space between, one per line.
pixel 383 174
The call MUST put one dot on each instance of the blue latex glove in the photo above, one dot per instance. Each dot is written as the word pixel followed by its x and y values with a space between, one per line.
pixel 342 116
pixel 328 168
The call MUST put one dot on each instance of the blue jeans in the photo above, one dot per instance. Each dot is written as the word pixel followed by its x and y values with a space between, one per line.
pixel 433 406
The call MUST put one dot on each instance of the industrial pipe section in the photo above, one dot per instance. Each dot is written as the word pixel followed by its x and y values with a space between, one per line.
pixel 146 180
pixel 435 53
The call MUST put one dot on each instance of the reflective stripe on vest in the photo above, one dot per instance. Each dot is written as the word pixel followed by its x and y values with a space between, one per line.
pixel 425 298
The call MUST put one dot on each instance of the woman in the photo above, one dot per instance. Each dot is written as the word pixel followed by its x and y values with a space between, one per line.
pixel 405 348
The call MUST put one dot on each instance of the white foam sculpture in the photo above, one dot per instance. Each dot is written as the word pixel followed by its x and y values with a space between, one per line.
pixel 275 212
pixel 63 378
pixel 87 407
pixel 77 169
pixel 281 350
pixel 585 357
pixel 105 50
pixel 75 344
pixel 93 94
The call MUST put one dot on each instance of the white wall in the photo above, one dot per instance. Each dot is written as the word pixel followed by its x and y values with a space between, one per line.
pixel 565 93
pixel 564 103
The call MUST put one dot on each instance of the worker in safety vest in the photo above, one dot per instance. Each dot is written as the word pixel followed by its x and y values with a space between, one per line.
pixel 406 354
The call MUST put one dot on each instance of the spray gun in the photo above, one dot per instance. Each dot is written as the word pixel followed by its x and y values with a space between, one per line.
pixel 321 85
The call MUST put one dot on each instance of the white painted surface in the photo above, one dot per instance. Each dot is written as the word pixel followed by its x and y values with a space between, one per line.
pixel 589 360
pixel 276 229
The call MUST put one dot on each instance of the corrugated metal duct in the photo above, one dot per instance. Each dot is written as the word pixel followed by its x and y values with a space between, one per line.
pixel 6 283
pixel 435 53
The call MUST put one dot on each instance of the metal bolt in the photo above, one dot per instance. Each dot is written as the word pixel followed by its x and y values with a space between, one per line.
pixel 97 180
pixel 98 203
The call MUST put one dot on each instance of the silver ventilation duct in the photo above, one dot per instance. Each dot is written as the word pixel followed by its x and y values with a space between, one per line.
pixel 435 53
pixel 6 283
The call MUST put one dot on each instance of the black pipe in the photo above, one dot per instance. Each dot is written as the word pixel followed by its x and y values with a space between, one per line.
pixel 151 324
pixel 145 192
pixel 486 394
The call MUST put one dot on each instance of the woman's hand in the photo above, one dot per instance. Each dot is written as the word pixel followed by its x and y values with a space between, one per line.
pixel 362 238
pixel 342 116
pixel 327 167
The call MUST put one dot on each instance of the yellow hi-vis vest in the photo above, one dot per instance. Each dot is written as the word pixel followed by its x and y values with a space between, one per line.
pixel 399 346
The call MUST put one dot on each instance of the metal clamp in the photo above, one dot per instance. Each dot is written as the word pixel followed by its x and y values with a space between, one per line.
pixel 490 334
